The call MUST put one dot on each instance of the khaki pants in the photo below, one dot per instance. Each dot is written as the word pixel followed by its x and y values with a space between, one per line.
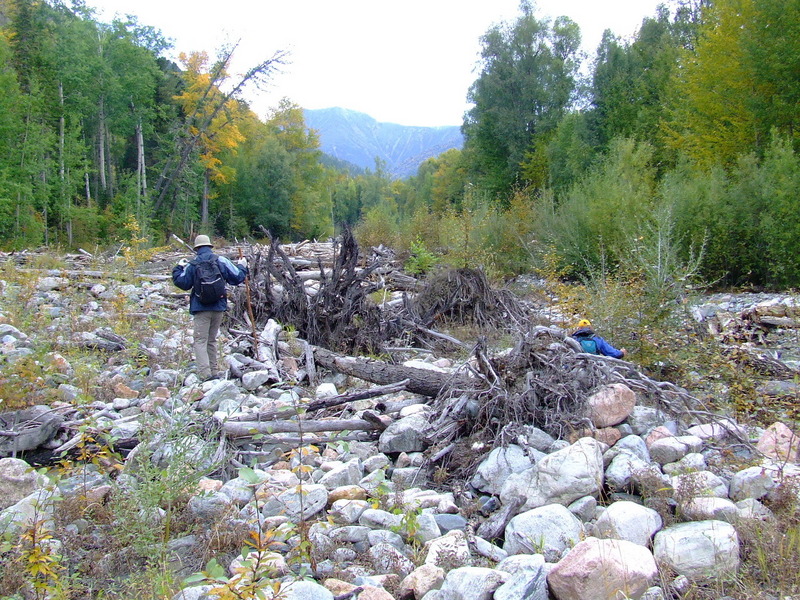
pixel 206 328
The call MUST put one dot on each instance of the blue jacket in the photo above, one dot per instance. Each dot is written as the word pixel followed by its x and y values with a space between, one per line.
pixel 183 277
pixel 603 347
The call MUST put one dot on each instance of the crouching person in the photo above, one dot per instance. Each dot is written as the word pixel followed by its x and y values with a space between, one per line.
pixel 206 275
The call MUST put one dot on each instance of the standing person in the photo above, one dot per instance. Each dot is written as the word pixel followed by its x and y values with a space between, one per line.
pixel 206 276
pixel 593 343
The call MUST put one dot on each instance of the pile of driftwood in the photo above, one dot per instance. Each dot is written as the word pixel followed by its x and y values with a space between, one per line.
pixel 365 304
pixel 543 381
pixel 346 308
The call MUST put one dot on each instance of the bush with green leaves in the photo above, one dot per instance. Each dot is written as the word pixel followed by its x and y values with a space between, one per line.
pixel 421 259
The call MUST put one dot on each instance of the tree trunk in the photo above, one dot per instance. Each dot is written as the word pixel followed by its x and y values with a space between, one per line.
pixel 65 201
pixel 88 188
pixel 248 428
pixel 421 381
pixel 322 403
pixel 204 203
pixel 141 171
pixel 112 180
pixel 101 145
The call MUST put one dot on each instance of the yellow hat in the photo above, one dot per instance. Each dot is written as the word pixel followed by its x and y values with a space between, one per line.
pixel 584 323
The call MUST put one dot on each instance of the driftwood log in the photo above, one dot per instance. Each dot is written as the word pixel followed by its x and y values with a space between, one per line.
pixel 420 381
pixel 323 403
pixel 239 429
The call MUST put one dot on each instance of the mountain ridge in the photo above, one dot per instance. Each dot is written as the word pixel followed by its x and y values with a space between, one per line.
pixel 359 139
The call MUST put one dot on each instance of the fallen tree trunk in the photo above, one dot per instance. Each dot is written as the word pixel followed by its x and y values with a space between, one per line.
pixel 420 381
pixel 237 429
pixel 285 413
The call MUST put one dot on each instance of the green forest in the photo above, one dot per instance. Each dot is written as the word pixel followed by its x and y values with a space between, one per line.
pixel 671 153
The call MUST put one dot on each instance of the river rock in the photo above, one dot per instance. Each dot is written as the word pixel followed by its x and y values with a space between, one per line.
pixel 752 482
pixel 473 583
pixel 562 477
pixel 17 480
pixel 699 550
pixel 598 569
pixel 780 443
pixel 34 426
pixel 547 530
pixel 672 449
pixel 610 404
pixel 497 466
pixel 422 580
pixel 404 435
pixel 449 549
pixel 628 521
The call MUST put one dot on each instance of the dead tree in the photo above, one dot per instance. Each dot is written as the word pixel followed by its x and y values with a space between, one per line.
pixel 338 314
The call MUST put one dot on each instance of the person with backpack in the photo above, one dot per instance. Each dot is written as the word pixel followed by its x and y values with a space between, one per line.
pixel 206 276
pixel 591 343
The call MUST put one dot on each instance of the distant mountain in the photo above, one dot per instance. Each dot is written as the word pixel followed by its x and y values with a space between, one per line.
pixel 358 139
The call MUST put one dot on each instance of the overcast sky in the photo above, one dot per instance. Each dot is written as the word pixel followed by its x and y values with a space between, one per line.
pixel 401 61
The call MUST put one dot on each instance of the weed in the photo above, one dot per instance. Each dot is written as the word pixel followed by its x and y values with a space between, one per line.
pixel 47 262
pixel 32 557
pixel 256 574
pixel 770 557
pixel 136 250
pixel 421 259
pixel 409 524
pixel 39 559
pixel 22 383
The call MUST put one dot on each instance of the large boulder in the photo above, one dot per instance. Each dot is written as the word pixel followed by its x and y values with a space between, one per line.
pixel 560 477
pixel 610 405
pixel 404 435
pixel 629 521
pixel 547 530
pixel 603 570
pixel 32 427
pixel 700 550
pixel 497 466
pixel 17 480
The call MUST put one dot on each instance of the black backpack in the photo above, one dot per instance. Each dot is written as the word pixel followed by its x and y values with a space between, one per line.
pixel 587 342
pixel 209 285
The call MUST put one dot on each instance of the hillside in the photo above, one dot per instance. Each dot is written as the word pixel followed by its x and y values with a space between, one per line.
pixel 358 139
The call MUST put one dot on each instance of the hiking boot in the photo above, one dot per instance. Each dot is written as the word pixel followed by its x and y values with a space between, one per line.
pixel 212 376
